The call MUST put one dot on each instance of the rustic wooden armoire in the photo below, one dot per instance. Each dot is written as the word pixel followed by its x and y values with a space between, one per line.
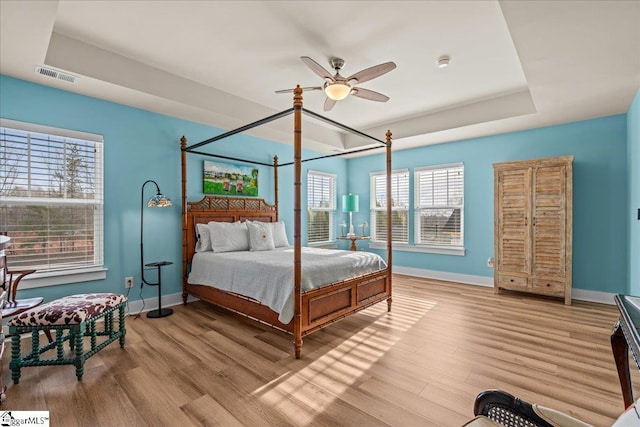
pixel 533 226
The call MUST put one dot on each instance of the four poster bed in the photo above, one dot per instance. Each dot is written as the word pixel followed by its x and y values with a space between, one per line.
pixel 309 307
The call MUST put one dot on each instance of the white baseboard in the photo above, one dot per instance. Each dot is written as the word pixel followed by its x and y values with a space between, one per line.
pixel 593 296
pixel 577 294
pixel 137 306
pixel 148 304
pixel 444 275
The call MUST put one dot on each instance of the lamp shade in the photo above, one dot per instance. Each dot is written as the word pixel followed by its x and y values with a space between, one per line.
pixel 159 201
pixel 350 203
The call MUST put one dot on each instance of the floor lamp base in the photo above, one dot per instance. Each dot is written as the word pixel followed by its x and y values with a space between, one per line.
pixel 163 312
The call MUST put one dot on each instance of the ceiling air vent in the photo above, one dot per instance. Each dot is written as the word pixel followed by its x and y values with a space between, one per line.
pixel 55 74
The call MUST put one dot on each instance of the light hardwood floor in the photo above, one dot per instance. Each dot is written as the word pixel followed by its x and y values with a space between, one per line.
pixel 422 364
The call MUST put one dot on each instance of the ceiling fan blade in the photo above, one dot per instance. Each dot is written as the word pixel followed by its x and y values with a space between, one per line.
pixel 317 68
pixel 304 89
pixel 369 94
pixel 372 72
pixel 328 104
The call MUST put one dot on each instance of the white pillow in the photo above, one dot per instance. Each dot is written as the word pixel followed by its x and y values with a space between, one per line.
pixel 279 234
pixel 260 236
pixel 203 244
pixel 229 236
pixel 278 231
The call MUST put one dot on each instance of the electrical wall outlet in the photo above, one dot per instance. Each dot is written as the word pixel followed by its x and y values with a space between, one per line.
pixel 128 282
pixel 490 262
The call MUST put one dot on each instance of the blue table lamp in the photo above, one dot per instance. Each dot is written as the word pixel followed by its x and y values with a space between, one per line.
pixel 351 204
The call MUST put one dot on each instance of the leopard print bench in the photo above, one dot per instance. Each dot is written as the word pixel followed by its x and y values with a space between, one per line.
pixel 72 318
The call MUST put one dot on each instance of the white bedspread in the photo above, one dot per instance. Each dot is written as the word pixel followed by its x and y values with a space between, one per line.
pixel 267 276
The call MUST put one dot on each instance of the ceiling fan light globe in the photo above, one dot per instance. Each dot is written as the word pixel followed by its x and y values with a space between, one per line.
pixel 337 91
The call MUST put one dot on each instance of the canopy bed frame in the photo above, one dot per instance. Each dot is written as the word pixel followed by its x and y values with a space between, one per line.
pixel 313 309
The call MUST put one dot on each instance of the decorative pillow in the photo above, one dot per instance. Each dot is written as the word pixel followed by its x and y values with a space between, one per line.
pixel 228 236
pixel 260 236
pixel 279 234
pixel 278 231
pixel 203 244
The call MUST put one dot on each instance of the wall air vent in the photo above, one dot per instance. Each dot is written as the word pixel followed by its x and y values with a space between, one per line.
pixel 55 74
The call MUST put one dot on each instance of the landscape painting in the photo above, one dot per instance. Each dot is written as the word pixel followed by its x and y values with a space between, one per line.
pixel 229 180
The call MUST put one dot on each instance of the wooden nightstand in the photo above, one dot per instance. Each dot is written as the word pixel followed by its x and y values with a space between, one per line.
pixel 353 240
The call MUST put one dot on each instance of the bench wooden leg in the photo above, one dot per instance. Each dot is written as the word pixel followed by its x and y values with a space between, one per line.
pixel 59 344
pixel 122 329
pixel 79 360
pixel 15 358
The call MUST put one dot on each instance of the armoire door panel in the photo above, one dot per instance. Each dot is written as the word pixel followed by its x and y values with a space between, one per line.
pixel 513 220
pixel 549 219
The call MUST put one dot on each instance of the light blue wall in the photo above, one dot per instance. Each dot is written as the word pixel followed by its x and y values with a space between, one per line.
pixel 633 150
pixel 600 260
pixel 140 145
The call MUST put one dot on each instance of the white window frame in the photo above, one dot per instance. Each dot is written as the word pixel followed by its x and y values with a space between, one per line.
pixel 375 209
pixel 96 271
pixel 311 174
pixel 420 205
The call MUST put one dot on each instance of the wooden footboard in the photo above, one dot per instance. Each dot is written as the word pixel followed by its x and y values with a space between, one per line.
pixel 323 306
pixel 320 307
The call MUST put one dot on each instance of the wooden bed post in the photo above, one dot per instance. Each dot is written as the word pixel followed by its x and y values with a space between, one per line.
pixel 275 184
pixel 297 246
pixel 183 145
pixel 389 225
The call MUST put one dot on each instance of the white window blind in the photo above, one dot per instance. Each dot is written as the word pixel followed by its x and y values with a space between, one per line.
pixel 439 204
pixel 399 206
pixel 51 188
pixel 321 205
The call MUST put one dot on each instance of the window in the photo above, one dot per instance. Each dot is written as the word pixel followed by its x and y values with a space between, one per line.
pixel 321 195
pixel 439 204
pixel 52 198
pixel 399 206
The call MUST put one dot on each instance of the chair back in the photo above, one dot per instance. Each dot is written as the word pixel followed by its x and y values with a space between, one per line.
pixel 3 297
pixel 3 269
pixel 10 279
pixel 507 410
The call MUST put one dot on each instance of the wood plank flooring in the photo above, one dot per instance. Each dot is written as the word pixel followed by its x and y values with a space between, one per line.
pixel 420 365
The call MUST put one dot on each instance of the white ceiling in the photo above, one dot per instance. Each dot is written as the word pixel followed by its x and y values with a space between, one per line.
pixel 514 64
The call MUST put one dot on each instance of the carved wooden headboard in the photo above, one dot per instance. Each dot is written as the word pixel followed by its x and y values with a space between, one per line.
pixel 222 209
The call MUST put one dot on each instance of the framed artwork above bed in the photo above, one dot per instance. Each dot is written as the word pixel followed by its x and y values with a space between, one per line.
pixel 227 179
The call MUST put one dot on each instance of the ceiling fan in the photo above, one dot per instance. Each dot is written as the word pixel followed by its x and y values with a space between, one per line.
pixel 337 87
